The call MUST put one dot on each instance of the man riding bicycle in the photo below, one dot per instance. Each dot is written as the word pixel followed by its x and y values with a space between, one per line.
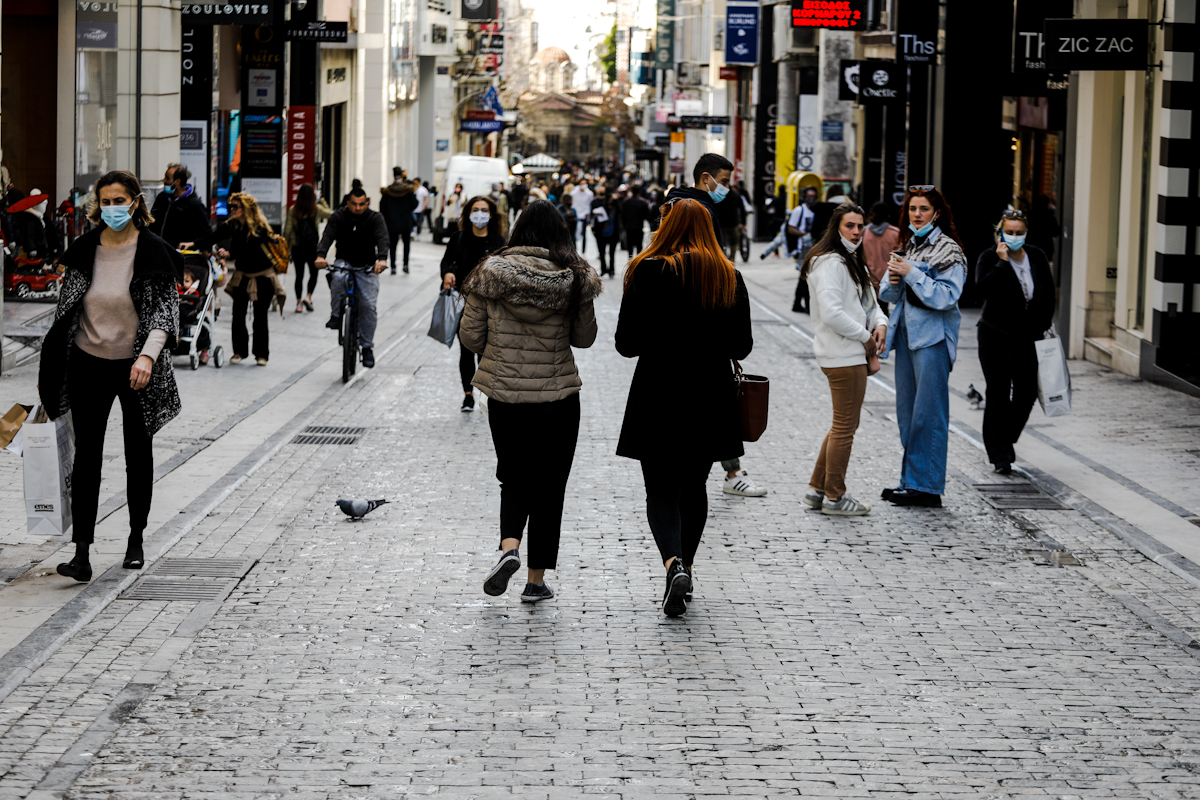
pixel 361 237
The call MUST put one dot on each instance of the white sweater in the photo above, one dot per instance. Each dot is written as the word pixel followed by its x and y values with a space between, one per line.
pixel 843 315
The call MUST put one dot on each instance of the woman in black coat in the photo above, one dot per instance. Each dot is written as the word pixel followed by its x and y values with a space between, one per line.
pixel 1017 288
pixel 685 314
pixel 116 324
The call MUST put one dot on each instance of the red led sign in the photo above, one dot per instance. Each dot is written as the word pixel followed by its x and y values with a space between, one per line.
pixel 849 15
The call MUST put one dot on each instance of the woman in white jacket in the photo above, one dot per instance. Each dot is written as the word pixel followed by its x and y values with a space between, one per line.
pixel 850 329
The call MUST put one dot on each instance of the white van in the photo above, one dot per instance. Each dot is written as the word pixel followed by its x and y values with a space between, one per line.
pixel 476 174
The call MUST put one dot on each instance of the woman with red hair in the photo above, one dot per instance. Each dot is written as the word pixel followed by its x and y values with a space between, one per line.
pixel 685 315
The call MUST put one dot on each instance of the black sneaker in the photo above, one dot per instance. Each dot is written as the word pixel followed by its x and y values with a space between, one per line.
pixel 368 357
pixel 536 592
pixel 496 582
pixel 406 269
pixel 679 583
pixel 468 402
pixel 334 323
pixel 692 575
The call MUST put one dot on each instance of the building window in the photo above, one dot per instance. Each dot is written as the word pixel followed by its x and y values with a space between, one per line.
pixel 583 143
pixel 551 142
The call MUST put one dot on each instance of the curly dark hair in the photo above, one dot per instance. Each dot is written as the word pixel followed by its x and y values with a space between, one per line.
pixel 464 218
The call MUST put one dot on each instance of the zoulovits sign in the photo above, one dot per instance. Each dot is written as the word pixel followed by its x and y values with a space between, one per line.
pixel 1096 44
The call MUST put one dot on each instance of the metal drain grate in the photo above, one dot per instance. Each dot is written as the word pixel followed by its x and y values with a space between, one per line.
pixel 1016 495
pixel 328 434
pixel 202 567
pixel 154 588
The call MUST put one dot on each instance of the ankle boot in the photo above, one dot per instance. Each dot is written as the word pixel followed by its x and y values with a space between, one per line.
pixel 134 558
pixel 79 567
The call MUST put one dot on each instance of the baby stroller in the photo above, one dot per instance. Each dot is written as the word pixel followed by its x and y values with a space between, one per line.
pixel 197 313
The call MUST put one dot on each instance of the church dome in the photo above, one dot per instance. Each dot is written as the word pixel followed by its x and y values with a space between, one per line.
pixel 552 55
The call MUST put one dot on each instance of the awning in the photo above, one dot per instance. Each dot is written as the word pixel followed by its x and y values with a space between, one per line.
pixel 538 163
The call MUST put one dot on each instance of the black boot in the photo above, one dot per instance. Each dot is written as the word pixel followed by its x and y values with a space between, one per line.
pixel 79 567
pixel 134 557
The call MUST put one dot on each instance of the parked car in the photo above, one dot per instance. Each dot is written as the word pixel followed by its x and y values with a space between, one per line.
pixel 476 174
pixel 28 280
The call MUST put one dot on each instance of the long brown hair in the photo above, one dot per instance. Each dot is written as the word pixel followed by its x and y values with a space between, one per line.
pixel 685 242
pixel 541 225
pixel 306 202
pixel 944 220
pixel 139 213
pixel 831 242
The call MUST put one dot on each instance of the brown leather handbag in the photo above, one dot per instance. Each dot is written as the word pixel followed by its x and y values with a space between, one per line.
pixel 753 394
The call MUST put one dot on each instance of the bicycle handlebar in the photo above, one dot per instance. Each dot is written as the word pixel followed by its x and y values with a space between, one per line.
pixel 345 266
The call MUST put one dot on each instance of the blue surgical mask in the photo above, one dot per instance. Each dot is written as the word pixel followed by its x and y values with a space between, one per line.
pixel 116 217
pixel 1013 242
pixel 718 194
pixel 924 230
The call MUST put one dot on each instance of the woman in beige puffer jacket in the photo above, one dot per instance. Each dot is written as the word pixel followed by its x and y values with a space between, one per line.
pixel 527 306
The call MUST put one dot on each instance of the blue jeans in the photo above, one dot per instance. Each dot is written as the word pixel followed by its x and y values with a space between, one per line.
pixel 923 411
pixel 367 287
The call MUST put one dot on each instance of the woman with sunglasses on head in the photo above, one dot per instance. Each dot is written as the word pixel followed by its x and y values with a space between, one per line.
pixel 1017 288
pixel 925 284
pixel 685 315
pixel 116 324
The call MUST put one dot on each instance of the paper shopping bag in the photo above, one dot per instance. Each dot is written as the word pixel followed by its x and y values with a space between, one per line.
pixel 1054 381
pixel 48 450
pixel 11 422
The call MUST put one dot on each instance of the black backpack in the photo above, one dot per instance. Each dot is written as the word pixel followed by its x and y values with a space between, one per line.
pixel 306 232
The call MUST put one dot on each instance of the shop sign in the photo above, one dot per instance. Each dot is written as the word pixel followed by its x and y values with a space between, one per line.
pixel 478 10
pixel 686 107
pixel 717 129
pixel 1029 42
pixel 479 113
pixel 490 44
pixel 442 146
pixel 882 82
pixel 268 192
pixel 262 145
pixel 646 154
pixel 301 148
pixel 195 71
pixel 729 73
pixel 1096 44
pixel 917 31
pixel 261 84
pixel 847 15
pixel 848 71
pixel 664 39
pixel 230 13
pixel 96 35
pixel 832 131
pixel 741 34
pixel 480 126
pixel 696 123
pixel 318 32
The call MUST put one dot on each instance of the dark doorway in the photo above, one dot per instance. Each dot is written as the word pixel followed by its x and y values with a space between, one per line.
pixel 30 130
pixel 333 120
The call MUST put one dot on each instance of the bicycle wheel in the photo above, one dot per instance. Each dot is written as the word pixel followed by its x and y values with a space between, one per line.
pixel 744 246
pixel 349 335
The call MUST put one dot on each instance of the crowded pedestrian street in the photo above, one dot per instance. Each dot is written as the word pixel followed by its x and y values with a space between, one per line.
pixel 1036 636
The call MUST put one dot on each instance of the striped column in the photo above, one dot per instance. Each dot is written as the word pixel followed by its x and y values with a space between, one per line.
pixel 1176 322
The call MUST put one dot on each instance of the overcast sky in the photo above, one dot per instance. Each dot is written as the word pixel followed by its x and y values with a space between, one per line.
pixel 562 23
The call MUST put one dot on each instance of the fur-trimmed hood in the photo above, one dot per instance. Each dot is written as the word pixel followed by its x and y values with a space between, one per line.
pixel 525 276
pixel 396 190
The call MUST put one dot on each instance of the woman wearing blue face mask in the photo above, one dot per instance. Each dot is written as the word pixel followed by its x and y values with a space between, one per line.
pixel 116 323
pixel 1018 293
pixel 924 284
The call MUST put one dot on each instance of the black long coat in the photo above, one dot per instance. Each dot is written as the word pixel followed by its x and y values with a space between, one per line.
pixel 683 400
pixel 1004 307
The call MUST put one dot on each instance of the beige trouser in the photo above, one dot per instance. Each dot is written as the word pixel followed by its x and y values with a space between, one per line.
pixel 849 387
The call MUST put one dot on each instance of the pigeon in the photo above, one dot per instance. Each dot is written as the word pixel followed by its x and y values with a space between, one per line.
pixel 974 396
pixel 357 509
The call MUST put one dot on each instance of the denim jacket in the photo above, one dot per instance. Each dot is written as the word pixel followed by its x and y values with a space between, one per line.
pixel 937 278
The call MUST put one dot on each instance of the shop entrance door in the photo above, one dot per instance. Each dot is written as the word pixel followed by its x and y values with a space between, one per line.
pixel 333 121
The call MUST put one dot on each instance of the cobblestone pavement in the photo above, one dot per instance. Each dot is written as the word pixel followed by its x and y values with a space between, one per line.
pixel 910 653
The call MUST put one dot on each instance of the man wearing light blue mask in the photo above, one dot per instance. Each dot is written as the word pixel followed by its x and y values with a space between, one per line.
pixel 711 174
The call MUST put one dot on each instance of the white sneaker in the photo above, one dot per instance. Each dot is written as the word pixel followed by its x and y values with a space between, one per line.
pixel 813 498
pixel 741 484
pixel 846 506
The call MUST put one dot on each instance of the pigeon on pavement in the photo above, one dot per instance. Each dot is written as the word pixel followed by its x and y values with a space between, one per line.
pixel 357 509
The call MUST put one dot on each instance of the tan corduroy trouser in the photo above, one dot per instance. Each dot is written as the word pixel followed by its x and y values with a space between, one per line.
pixel 849 387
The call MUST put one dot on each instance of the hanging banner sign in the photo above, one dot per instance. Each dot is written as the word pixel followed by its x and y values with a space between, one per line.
pixel 301 148
pixel 1029 42
pixel 480 126
pixel 917 31
pixel 695 123
pixel 847 15
pixel 664 40
pixel 318 32
pixel 195 71
pixel 741 34
pixel 1096 44
pixel 882 82
pixel 479 10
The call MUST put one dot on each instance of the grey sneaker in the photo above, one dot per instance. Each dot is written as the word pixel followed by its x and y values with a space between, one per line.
pixel 846 506
pixel 536 592
pixel 496 581
pixel 813 499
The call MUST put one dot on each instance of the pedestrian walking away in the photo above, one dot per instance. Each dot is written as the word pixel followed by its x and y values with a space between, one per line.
pixel 478 236
pixel 301 231
pixel 684 315
pixel 603 217
pixel 527 305
pixel 581 201
pixel 115 326
pixel 179 216
pixel 1017 287
pixel 421 212
pixel 878 242
pixel 924 284
pixel 799 233
pixel 398 205
pixel 246 234
pixel 849 329
pixel 362 241
pixel 635 213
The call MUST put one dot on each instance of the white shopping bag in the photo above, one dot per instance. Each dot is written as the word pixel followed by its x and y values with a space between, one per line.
pixel 1054 381
pixel 48 450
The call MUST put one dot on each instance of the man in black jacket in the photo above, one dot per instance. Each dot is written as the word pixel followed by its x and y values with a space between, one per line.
pixel 361 237
pixel 398 204
pixel 179 216
pixel 711 174
pixel 635 212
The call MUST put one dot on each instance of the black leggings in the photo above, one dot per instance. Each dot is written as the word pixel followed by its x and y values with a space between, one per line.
pixel 608 243
pixel 676 505
pixel 92 384
pixel 392 239
pixel 533 479
pixel 304 258
pixel 1010 369
pixel 262 313
pixel 468 362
